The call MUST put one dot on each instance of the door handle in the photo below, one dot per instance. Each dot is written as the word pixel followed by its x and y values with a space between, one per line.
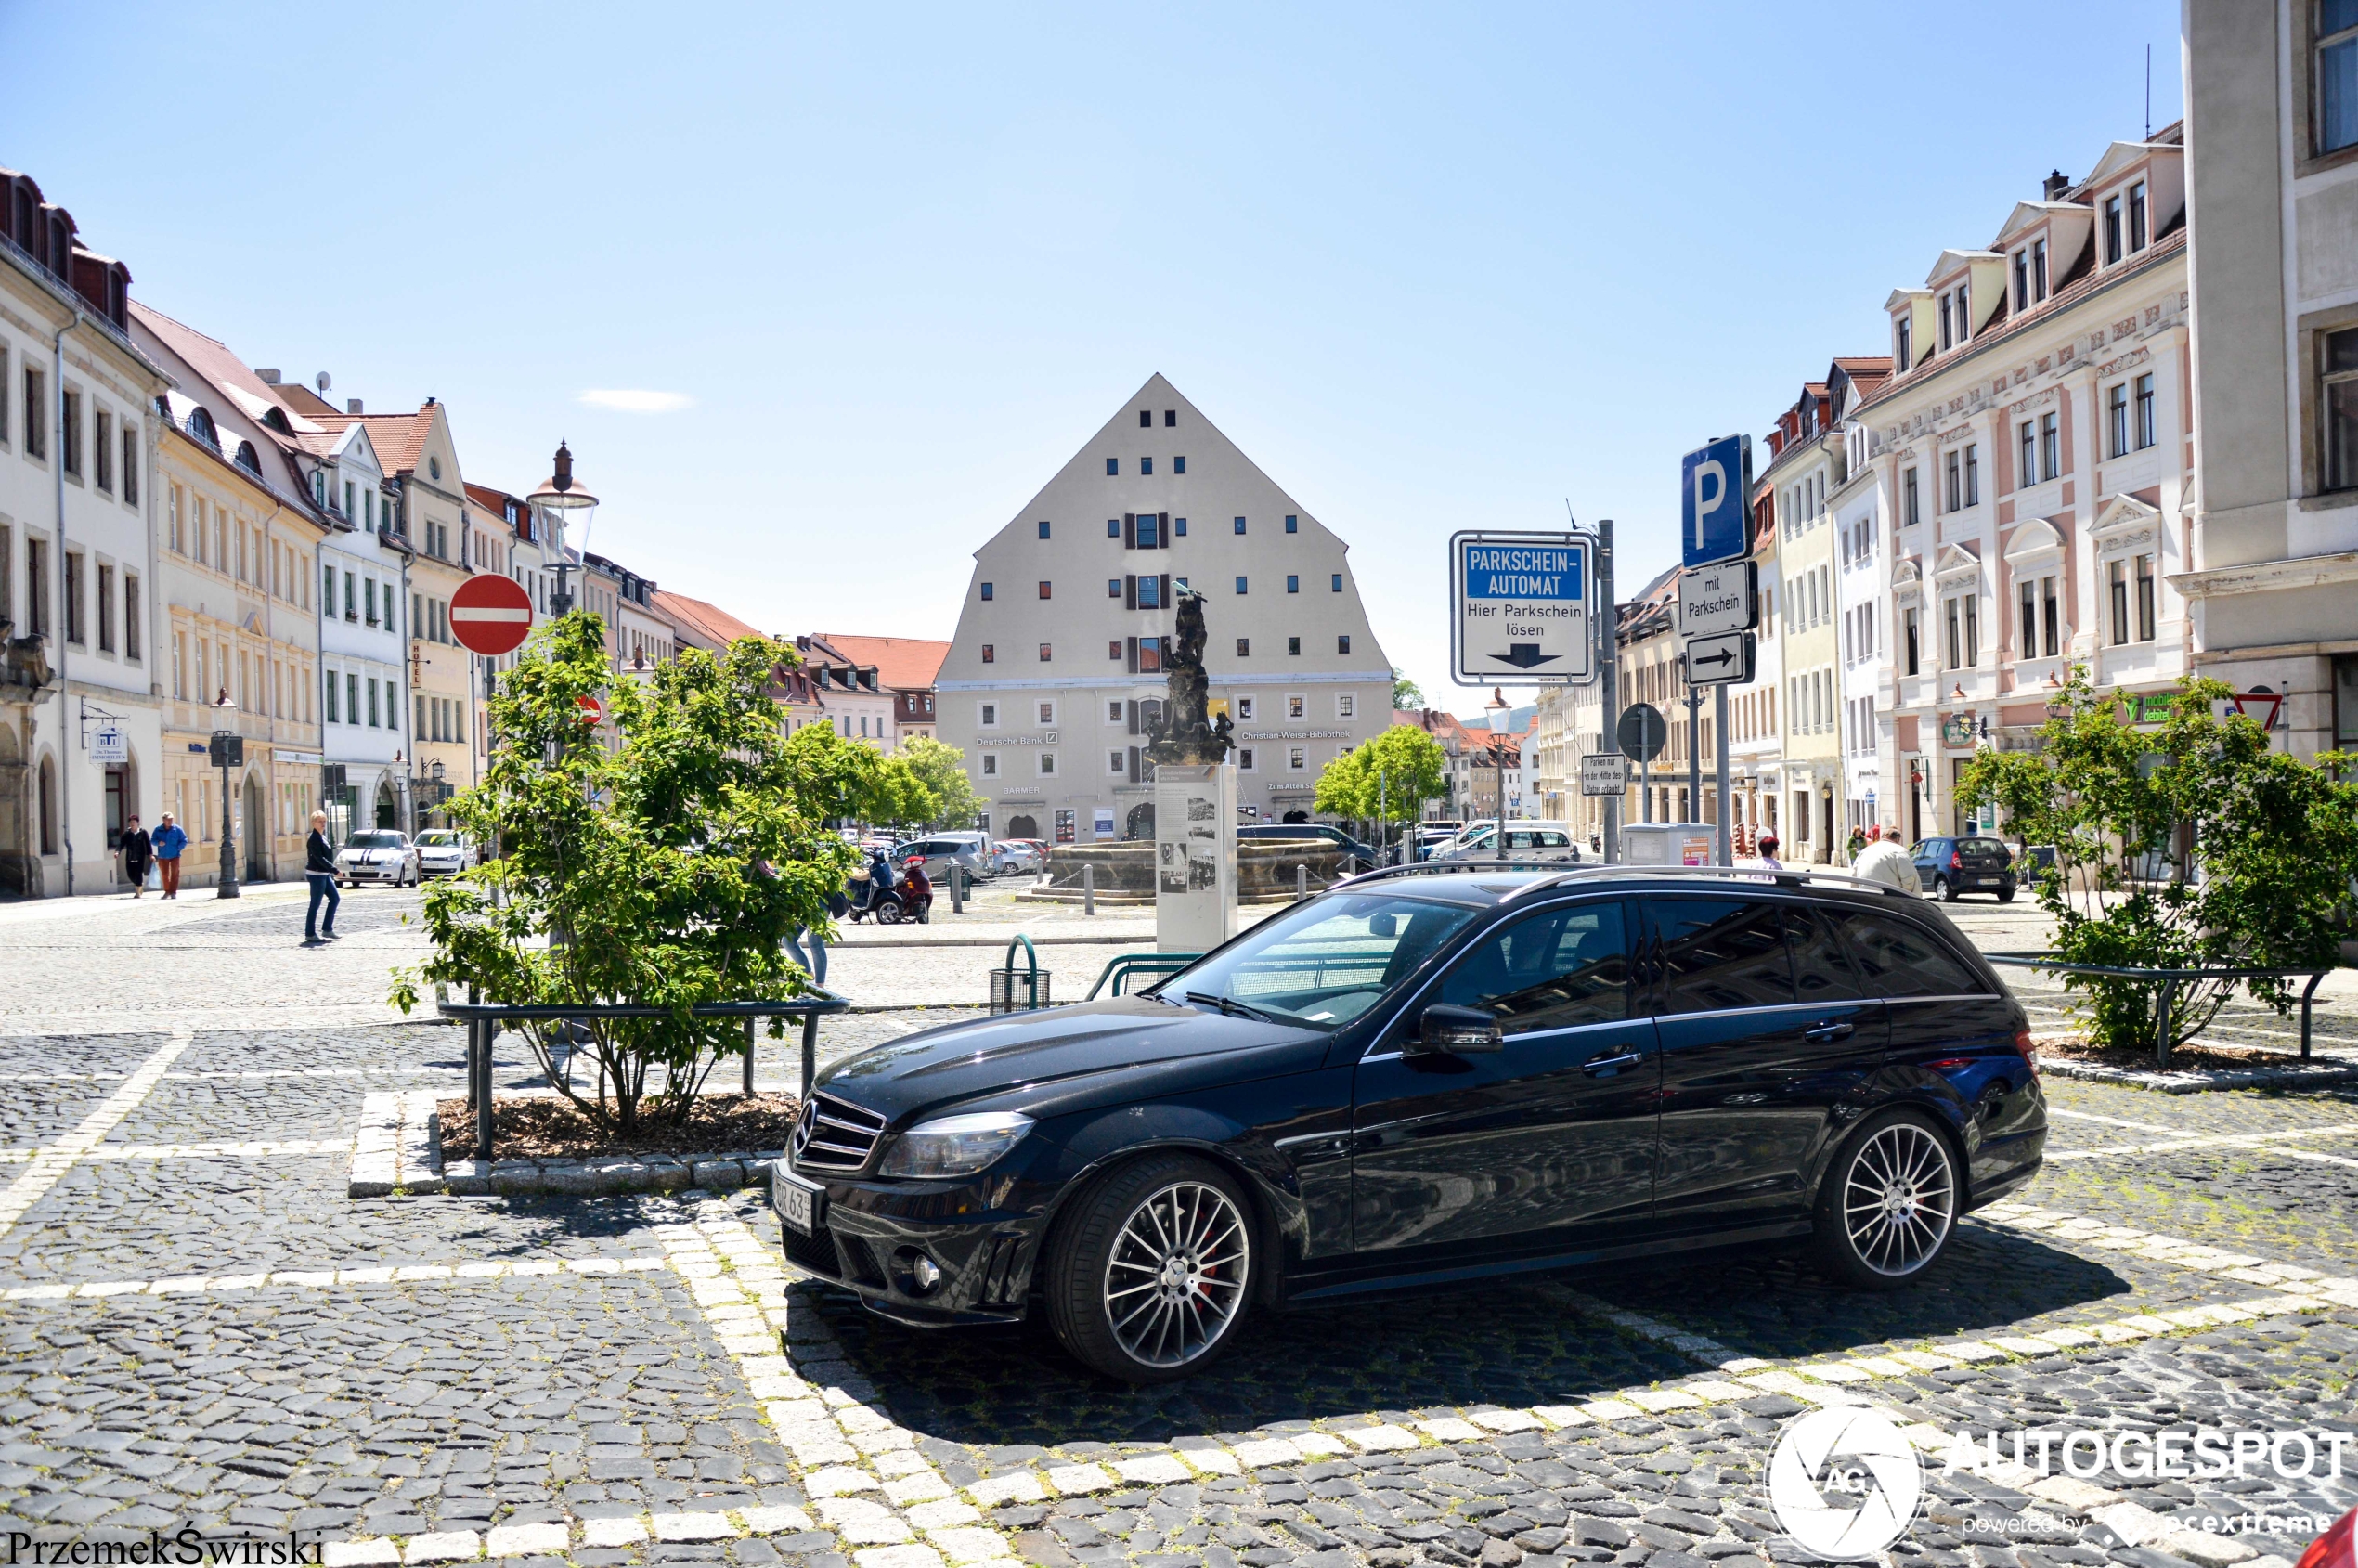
pixel 1832 1028
pixel 1611 1064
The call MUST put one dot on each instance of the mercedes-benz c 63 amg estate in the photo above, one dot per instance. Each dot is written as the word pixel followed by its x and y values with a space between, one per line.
pixel 1418 1079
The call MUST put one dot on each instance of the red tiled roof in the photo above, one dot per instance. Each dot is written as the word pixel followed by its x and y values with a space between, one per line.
pixel 707 620
pixel 903 663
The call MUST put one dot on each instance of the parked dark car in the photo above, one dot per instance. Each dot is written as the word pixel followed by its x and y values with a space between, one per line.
pixel 1948 867
pixel 1417 1078
pixel 1360 857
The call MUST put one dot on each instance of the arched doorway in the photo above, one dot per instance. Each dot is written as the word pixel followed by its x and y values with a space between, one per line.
pixel 47 806
pixel 1141 822
pixel 19 871
pixel 1295 817
pixel 1021 826
pixel 386 816
pixel 257 831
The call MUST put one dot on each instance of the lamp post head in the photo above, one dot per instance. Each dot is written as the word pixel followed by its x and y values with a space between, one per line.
pixel 436 770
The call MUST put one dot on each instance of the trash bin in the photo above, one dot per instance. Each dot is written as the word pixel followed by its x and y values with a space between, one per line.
pixel 1019 991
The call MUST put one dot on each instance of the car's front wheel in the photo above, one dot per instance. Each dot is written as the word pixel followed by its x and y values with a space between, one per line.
pixel 1151 1275
pixel 1888 1203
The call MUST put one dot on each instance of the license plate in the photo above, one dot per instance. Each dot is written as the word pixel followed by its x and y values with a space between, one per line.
pixel 798 1202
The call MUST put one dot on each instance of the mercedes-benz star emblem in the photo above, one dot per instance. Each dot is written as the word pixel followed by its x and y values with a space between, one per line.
pixel 803 1126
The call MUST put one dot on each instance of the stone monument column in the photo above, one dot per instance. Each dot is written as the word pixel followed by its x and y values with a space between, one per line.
pixel 1195 801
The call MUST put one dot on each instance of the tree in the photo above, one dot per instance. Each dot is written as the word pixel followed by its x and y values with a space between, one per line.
pixel 1406 695
pixel 664 871
pixel 941 769
pixel 2192 847
pixel 1386 778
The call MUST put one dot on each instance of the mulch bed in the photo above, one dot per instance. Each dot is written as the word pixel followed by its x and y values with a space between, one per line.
pixel 2182 1058
pixel 548 1129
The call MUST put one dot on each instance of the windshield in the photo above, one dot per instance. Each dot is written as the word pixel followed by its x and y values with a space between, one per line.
pixel 373 841
pixel 438 838
pixel 1323 964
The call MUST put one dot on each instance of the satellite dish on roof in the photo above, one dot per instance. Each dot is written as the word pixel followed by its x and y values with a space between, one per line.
pixel 322 381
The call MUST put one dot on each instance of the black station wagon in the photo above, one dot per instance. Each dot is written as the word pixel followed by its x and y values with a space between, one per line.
pixel 1430 1076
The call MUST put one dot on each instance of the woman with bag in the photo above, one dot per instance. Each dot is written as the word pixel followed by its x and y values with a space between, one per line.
pixel 136 852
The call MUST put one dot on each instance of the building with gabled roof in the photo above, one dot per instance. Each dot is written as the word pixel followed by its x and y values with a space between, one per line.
pixel 905 667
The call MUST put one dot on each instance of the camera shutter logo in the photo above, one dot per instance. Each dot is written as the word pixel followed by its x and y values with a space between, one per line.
pixel 1844 1483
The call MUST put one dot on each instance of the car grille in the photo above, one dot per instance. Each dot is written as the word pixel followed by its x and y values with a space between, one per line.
pixel 814 1253
pixel 833 1134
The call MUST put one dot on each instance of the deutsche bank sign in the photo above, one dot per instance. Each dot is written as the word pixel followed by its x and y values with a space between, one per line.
pixel 1519 607
pixel 1713 483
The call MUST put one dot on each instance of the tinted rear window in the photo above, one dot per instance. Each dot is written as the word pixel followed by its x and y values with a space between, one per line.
pixel 1984 847
pixel 1721 953
pixel 1821 971
pixel 1902 959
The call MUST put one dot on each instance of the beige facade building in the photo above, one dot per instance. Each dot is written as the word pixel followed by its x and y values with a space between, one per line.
pixel 1055 678
pixel 2272 152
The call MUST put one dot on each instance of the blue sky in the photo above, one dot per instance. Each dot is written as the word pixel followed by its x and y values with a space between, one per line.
pixel 1433 267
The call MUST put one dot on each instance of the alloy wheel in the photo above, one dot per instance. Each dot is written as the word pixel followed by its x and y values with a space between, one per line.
pixel 1898 1198
pixel 1176 1275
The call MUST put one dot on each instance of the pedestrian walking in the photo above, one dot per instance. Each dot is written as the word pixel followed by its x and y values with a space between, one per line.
pixel 1768 852
pixel 1884 861
pixel 136 852
pixel 319 870
pixel 1859 841
pixel 167 841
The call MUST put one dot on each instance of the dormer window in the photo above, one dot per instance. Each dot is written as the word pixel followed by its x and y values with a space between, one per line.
pixel 2039 267
pixel 1903 345
pixel 2139 228
pixel 1962 294
pixel 200 426
pixel 1947 336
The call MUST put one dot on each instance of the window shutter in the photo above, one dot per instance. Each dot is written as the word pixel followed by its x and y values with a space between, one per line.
pixel 1130 650
pixel 1134 764
pixel 1130 597
pixel 1133 714
pixel 1162 530
pixel 1129 530
pixel 1163 597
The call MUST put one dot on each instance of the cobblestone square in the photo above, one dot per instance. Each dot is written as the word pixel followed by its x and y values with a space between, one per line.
pixel 202 1329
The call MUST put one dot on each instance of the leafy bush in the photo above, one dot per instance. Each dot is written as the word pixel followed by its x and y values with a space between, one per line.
pixel 661 869
pixel 2192 847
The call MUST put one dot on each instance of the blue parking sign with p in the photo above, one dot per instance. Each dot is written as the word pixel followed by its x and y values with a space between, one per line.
pixel 1713 511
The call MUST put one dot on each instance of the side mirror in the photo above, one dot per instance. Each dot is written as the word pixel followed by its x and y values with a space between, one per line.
pixel 1445 1029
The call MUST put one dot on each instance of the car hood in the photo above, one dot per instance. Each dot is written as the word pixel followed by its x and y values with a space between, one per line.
pixel 1069 1059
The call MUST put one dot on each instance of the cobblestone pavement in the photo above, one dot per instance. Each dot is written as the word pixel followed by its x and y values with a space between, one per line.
pixel 199 1328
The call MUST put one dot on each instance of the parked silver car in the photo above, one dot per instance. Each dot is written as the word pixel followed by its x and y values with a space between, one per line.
pixel 378 854
pixel 445 851
pixel 970 851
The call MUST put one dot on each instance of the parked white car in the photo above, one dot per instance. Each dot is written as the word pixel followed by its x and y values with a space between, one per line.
pixel 1017 857
pixel 378 854
pixel 1522 841
pixel 445 851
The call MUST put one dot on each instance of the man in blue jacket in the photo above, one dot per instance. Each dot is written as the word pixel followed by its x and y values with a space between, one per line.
pixel 168 840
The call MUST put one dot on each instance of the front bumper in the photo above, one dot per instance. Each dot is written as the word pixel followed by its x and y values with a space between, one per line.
pixel 870 1233
pixel 372 873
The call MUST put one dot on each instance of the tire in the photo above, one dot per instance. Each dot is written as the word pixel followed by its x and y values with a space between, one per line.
pixel 2005 895
pixel 1889 1203
pixel 1184 1304
pixel 1943 889
pixel 888 914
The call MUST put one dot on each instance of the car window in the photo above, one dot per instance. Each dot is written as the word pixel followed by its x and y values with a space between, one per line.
pixel 1822 969
pixel 1324 962
pixel 1553 838
pixel 1900 958
pixel 1984 847
pixel 1522 838
pixel 1721 953
pixel 1554 969
pixel 1480 839
pixel 373 840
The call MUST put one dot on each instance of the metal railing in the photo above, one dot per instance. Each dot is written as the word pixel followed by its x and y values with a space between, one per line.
pixel 483 1020
pixel 2168 980
pixel 1124 966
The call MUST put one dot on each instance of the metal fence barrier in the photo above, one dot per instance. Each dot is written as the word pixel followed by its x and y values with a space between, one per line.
pixel 483 1020
pixel 2167 982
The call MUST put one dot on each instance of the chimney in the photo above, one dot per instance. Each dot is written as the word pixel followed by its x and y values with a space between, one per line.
pixel 352 405
pixel 2058 183
pixel 268 378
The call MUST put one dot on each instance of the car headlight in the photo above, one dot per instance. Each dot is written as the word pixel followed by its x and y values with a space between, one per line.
pixel 954 1145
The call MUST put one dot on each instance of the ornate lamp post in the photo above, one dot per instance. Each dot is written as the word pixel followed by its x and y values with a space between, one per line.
pixel 561 497
pixel 1497 708
pixel 227 750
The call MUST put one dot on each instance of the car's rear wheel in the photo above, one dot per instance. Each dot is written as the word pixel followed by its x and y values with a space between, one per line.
pixel 2005 895
pixel 1943 889
pixel 1151 1275
pixel 1889 1202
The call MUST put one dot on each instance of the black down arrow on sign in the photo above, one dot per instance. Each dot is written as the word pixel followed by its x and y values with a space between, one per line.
pixel 1524 656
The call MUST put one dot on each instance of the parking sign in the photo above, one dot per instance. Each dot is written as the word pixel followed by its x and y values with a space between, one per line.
pixel 1713 485
pixel 1519 607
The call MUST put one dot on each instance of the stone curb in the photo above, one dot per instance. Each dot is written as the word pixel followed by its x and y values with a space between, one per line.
pixel 2325 1074
pixel 713 1172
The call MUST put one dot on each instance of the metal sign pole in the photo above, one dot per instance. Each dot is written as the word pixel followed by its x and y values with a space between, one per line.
pixel 1694 752
pixel 1720 777
pixel 1608 617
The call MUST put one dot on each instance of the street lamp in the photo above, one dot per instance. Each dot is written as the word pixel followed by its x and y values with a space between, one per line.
pixel 561 496
pixel 1497 708
pixel 227 750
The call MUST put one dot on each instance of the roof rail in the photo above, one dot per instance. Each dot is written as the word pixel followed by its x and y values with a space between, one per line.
pixel 1783 877
pixel 1439 868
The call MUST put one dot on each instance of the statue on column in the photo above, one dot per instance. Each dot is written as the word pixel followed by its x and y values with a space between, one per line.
pixel 1188 735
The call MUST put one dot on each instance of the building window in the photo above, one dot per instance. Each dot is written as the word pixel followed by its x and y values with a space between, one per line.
pixel 1955 617
pixel 1297 759
pixel 986 592
pixel 2050 447
pixel 2137 230
pixel 1117 764
pixel 1146 419
pixel 106 608
pixel 988 717
pixel 1043 653
pixel 1342 644
pixel 1043 591
pixel 2117 420
pixel 2039 269
pixel 1293 584
pixel 1292 525
pixel 2112 226
pixel 2336 76
pixel 1240 524
pixel 36 414
pixel 990 653
pixel 1113 528
pixel 1244 651
pixel 1346 705
pixel 1043 529
pixel 2022 281
pixel 2147 434
pixel 1244 709
pixel 1953 495
pixel 1244 760
pixel 2027 637
pixel 102 451
pixel 1178 465
pixel 1911 508
pixel 1179 525
pixel 1903 347
pixel 1240 585
pixel 131 617
pixel 74 597
pixel 1338 583
pixel 331 708
pixel 2116 589
pixel 990 764
pixel 1146 467
pixel 1047 764
pixel 2144 576
pixel 1947 336
pixel 1113 648
pixel 2340 401
pixel 1113 588
pixel 1914 659
pixel 1293 646
pixel 72 416
pixel 1047 712
pixel 1973 474
pixel 1113 467
pixel 2030 460
pixel 2053 607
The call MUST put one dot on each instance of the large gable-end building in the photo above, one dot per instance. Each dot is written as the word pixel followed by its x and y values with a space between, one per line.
pixel 1055 677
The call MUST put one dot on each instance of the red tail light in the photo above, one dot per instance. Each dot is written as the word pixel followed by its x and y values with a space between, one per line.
pixel 2029 1056
pixel 1956 860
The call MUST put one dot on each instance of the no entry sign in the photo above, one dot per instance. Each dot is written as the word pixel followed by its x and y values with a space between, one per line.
pixel 490 614
pixel 592 710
